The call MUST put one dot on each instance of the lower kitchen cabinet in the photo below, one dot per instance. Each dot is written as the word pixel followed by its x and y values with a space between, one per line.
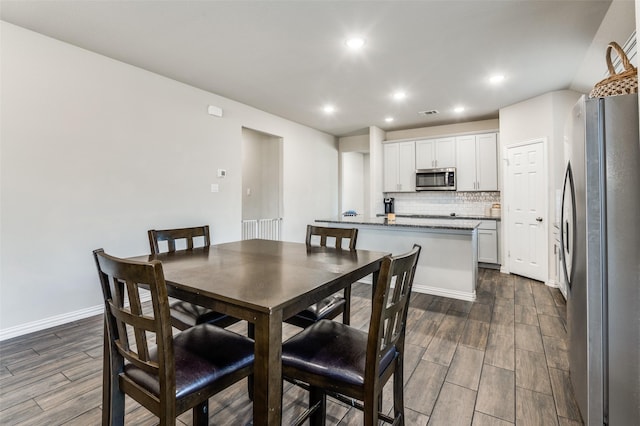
pixel 559 272
pixel 488 242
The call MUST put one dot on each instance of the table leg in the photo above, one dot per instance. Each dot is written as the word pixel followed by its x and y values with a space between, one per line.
pixel 374 281
pixel 267 372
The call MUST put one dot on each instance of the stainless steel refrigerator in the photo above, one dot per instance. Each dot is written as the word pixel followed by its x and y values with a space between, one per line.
pixel 600 236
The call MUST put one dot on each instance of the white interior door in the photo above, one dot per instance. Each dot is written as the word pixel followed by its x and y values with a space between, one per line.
pixel 526 204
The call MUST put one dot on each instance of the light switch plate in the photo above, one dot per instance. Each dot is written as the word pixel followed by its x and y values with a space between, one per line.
pixel 215 187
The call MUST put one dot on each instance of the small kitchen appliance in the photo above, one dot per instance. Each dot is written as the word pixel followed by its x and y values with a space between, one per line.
pixel 388 206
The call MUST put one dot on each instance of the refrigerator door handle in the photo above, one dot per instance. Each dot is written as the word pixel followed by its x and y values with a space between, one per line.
pixel 567 238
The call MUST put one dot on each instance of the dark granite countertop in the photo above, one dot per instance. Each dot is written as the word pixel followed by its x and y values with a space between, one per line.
pixel 409 222
pixel 448 216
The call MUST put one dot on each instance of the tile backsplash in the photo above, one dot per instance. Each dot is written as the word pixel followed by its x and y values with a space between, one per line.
pixel 445 202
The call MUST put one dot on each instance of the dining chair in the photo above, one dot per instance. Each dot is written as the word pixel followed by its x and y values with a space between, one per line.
pixel 330 358
pixel 329 307
pixel 186 314
pixel 179 372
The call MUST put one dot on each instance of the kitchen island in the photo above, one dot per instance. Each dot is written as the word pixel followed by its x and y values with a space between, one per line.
pixel 448 264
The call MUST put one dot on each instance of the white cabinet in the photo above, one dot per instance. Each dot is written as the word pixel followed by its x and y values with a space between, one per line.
pixel 399 167
pixel 488 242
pixel 559 272
pixel 436 153
pixel 477 162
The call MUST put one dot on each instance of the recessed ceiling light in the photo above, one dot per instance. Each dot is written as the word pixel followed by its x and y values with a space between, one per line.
pixel 388 119
pixel 399 95
pixel 495 79
pixel 329 109
pixel 458 109
pixel 355 43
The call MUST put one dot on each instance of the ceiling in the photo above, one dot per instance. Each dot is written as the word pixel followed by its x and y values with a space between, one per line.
pixel 289 58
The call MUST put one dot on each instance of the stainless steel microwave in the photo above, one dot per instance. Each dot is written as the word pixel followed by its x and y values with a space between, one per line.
pixel 436 179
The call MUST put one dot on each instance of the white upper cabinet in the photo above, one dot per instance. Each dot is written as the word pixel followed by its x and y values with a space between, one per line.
pixel 436 153
pixel 399 167
pixel 476 162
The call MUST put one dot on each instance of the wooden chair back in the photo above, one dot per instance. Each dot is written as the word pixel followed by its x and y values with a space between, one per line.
pixel 172 235
pixel 390 306
pixel 130 328
pixel 322 233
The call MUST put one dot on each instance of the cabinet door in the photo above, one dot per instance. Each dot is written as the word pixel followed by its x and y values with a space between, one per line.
pixel 486 162
pixel 466 163
pixel 390 160
pixel 487 246
pixel 445 152
pixel 407 166
pixel 425 154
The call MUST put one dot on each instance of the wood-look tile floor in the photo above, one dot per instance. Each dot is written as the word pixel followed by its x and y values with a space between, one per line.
pixel 500 360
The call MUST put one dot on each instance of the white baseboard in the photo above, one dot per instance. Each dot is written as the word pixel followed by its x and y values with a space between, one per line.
pixel 45 323
pixel 436 291
pixel 552 283
pixel 452 294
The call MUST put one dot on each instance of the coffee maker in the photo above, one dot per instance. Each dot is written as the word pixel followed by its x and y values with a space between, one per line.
pixel 388 206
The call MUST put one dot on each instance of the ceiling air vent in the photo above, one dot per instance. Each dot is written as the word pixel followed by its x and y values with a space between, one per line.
pixel 428 112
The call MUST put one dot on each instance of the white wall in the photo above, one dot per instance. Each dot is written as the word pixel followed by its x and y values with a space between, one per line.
pixel 261 177
pixel 542 117
pixel 353 165
pixel 376 167
pixel 358 143
pixel 353 178
pixel 95 152
pixel 445 130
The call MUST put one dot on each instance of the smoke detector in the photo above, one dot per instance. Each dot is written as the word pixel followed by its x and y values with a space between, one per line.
pixel 429 112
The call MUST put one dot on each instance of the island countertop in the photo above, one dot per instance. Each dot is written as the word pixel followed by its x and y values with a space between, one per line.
pixel 407 222
pixel 450 269
pixel 456 216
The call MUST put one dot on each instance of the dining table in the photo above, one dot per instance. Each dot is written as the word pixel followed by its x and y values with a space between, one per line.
pixel 263 282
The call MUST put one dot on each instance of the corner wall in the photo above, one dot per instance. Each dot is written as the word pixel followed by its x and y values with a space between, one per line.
pixel 540 117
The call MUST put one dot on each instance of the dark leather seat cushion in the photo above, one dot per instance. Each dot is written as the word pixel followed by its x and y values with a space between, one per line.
pixel 332 350
pixel 329 307
pixel 187 315
pixel 203 354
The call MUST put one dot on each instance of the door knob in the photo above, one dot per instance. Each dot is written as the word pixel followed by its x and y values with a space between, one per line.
pixel 538 219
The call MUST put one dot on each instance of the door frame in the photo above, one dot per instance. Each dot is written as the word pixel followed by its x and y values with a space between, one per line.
pixel 507 198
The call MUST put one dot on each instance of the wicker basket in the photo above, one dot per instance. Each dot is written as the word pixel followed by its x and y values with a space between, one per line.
pixel 623 83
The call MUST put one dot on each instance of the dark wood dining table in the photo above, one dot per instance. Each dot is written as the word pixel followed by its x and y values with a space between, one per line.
pixel 264 282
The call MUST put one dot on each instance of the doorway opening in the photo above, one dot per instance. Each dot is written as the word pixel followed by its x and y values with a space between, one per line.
pixel 261 185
